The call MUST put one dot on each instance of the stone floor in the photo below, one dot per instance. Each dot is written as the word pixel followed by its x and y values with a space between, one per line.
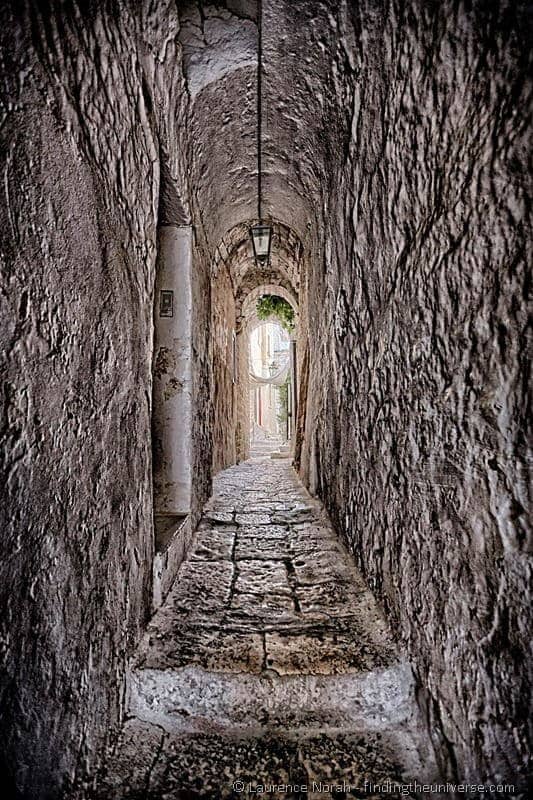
pixel 269 662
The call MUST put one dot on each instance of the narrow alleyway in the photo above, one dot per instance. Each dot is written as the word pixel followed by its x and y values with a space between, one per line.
pixel 269 663
pixel 251 249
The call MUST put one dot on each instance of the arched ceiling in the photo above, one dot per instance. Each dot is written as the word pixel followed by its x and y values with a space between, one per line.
pixel 234 252
pixel 220 58
pixel 246 305
pixel 217 40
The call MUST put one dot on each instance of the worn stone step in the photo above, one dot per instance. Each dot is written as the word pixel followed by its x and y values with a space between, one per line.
pixel 149 763
pixel 191 699
pixel 269 656
pixel 269 624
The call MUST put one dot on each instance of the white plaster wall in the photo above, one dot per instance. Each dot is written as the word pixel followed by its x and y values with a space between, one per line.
pixel 173 373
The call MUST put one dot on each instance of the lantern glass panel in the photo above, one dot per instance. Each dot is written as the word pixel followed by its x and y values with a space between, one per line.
pixel 261 239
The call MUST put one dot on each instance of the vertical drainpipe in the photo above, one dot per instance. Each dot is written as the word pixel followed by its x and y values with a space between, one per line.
pixel 172 385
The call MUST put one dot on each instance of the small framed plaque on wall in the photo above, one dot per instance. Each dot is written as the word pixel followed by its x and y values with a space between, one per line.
pixel 166 303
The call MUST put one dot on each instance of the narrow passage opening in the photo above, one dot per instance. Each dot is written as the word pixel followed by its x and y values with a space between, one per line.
pixel 269 384
pixel 271 376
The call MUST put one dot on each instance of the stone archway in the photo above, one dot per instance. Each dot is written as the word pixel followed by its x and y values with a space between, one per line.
pixel 247 322
pixel 237 284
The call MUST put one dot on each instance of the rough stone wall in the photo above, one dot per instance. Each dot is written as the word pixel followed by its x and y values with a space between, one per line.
pixel 172 399
pixel 202 379
pixel 81 94
pixel 419 361
pixel 222 328
pixel 394 136
pixel 242 394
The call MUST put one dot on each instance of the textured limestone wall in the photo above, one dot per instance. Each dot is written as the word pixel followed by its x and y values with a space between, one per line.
pixel 222 328
pixel 395 147
pixel 172 401
pixel 82 135
pixel 417 421
pixel 242 395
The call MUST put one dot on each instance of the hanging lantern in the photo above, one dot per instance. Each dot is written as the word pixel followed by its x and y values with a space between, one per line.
pixel 261 241
pixel 261 233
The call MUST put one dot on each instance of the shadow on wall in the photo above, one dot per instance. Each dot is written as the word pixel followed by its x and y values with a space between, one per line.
pixel 417 427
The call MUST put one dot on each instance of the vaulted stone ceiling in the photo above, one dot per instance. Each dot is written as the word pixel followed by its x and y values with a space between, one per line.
pixel 235 253
pixel 220 56
pixel 396 142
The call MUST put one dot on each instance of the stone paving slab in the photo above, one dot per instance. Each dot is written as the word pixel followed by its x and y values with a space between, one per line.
pixel 251 545
pixel 266 569
pixel 151 764
pixel 210 648
pixel 272 533
pixel 213 544
pixel 254 518
pixel 323 653
pixel 225 517
pixel 262 577
pixel 269 663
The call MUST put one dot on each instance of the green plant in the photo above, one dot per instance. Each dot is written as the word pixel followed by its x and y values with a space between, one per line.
pixel 271 305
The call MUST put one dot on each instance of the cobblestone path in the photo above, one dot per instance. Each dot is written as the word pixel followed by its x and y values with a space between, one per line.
pixel 269 662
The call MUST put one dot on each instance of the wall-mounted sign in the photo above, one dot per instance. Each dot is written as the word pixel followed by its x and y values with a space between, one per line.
pixel 166 303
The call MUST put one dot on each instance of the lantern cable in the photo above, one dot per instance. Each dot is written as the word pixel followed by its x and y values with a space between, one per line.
pixel 259 104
